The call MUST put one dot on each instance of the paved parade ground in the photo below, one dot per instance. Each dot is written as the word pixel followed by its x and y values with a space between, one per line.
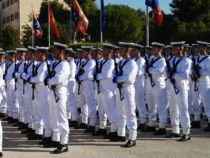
pixel 82 145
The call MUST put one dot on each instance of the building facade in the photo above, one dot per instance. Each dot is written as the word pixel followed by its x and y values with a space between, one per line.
pixel 17 13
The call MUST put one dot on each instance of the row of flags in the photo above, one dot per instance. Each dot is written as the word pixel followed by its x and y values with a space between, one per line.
pixel 82 22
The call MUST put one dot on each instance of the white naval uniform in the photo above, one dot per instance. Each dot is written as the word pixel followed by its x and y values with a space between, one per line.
pixel 3 102
pixel 87 96
pixel 58 112
pixel 204 83
pixel 140 90
pixel 107 95
pixel 126 109
pixel 181 99
pixel 12 103
pixel 72 111
pixel 42 116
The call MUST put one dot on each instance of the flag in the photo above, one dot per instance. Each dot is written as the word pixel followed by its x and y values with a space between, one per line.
pixel 156 11
pixel 79 17
pixel 37 29
pixel 53 24
pixel 103 15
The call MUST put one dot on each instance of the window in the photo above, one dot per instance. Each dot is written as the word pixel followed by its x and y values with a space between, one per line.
pixel 4 21
pixel 7 3
pixel 16 15
pixel 16 0
pixel 11 2
pixel 8 19
pixel 12 17
pixel 3 5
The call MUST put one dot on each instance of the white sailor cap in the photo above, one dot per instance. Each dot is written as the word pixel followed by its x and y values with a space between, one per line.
pixel 181 43
pixel 79 50
pixel 32 48
pixel 168 47
pixel 21 49
pixel 1 49
pixel 2 53
pixel 11 52
pixel 87 47
pixel 107 45
pixel 69 50
pixel 148 47
pixel 99 49
pixel 43 49
pixel 60 45
pixel 202 43
pixel 157 44
pixel 138 46
pixel 116 47
pixel 125 44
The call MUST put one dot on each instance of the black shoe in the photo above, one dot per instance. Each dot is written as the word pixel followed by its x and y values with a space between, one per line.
pixel 11 121
pixel 90 129
pixel 149 129
pixel 61 149
pixel 173 135
pixel 35 137
pixel 195 124
pixel 32 133
pixel 73 124
pixel 29 130
pixel 110 135
pixel 185 138
pixel 82 126
pixel 1 154
pixel 141 126
pixel 130 143
pixel 117 139
pixel 160 131
pixel 207 129
pixel 51 144
pixel 46 140
pixel 8 118
pixel 23 126
pixel 99 132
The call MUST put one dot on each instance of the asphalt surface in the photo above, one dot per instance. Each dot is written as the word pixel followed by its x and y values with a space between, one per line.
pixel 83 145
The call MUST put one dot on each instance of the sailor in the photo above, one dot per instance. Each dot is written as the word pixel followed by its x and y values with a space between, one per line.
pixel 125 98
pixel 72 111
pixel 201 74
pixel 12 104
pixel 58 81
pixel 43 125
pixel 179 76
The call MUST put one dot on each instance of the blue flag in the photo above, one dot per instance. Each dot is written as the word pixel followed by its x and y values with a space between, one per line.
pixel 152 3
pixel 103 15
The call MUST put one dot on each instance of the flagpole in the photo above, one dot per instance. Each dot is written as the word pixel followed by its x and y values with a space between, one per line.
pixel 49 23
pixel 147 26
pixel 70 6
pixel 32 25
pixel 101 29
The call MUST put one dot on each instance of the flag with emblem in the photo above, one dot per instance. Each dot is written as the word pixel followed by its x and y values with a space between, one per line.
pixel 37 29
pixel 53 24
pixel 156 11
pixel 79 17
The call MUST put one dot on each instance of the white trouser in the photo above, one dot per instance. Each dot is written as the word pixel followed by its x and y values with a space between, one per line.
pixel 108 101
pixel 173 108
pixel 19 95
pixel 1 137
pixel 140 100
pixel 3 101
pixel 157 104
pixel 41 94
pixel 126 112
pixel 101 111
pixel 181 100
pixel 87 97
pixel 71 101
pixel 58 116
pixel 12 103
pixel 204 94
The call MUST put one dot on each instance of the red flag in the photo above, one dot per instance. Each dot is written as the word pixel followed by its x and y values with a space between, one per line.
pixel 53 24
pixel 79 17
